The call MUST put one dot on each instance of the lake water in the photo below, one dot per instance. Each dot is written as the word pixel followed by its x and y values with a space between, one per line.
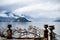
pixel 26 24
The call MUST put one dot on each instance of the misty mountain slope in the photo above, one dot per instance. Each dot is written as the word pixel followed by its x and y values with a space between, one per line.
pixel 24 18
pixel 6 19
pixel 12 17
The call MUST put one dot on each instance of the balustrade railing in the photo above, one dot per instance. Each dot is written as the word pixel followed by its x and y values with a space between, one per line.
pixel 31 32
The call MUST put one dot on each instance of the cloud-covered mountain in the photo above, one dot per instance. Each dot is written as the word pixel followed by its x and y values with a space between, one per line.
pixel 12 17
pixel 23 18
pixel 34 10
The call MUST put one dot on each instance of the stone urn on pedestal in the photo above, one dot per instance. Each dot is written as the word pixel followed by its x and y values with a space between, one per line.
pixel 46 32
pixel 51 28
pixel 9 32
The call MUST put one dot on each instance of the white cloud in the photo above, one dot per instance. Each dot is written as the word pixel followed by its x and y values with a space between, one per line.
pixel 38 6
pixel 32 7
pixel 42 6
pixel 9 2
pixel 3 15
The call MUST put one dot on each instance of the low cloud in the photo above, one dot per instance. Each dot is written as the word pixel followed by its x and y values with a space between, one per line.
pixel 46 9
pixel 34 8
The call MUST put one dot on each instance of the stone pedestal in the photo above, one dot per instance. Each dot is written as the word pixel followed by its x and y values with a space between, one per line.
pixel 51 28
pixel 9 32
pixel 46 32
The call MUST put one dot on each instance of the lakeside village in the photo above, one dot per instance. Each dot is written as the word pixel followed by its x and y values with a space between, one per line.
pixel 31 33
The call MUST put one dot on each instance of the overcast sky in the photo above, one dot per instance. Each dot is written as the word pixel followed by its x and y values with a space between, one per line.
pixel 33 8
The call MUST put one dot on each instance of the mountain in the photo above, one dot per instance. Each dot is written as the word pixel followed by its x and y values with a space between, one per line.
pixel 57 19
pixel 10 19
pixel 6 19
pixel 27 16
pixel 21 19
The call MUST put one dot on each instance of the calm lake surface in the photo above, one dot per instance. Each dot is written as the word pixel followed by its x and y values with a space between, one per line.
pixel 26 24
